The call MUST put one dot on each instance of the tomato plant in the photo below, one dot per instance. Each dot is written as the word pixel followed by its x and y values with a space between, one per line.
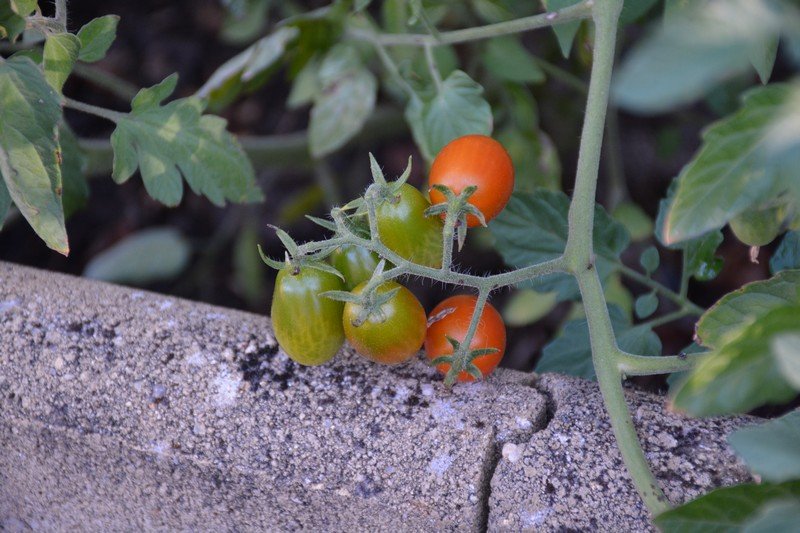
pixel 476 160
pixel 405 229
pixel 393 332
pixel 307 325
pixel 451 318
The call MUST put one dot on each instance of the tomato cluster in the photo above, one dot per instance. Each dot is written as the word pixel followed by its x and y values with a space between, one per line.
pixel 314 310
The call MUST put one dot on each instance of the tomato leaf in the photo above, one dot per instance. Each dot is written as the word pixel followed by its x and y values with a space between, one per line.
pixel 729 173
pixel 571 352
pixel 12 17
pixel 507 59
pixel 742 373
pixel 693 51
pixel 73 166
pixel 30 111
pixel 165 141
pixel 646 305
pixel 60 53
pixel 565 33
pixel 96 37
pixel 225 84
pixel 533 228
pixel 650 259
pixel 771 449
pixel 736 310
pixel 775 515
pixel 787 255
pixel 786 349
pixel 457 109
pixel 726 509
pixel 5 201
pixel 131 261
pixel 345 101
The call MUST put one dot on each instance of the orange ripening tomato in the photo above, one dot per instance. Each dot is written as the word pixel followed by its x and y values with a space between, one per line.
pixel 475 160
pixel 451 318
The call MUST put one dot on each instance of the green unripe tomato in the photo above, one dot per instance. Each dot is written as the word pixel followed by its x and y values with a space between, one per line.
pixel 308 326
pixel 356 263
pixel 393 335
pixel 757 227
pixel 405 230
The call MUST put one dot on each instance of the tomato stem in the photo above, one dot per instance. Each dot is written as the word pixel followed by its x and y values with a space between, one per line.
pixel 578 11
pixel 462 356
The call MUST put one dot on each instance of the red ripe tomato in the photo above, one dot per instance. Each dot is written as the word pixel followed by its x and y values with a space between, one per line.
pixel 475 160
pixel 451 318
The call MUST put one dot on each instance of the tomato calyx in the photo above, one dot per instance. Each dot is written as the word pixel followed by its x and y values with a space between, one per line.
pixel 455 210
pixel 370 300
pixel 461 360
pixel 295 261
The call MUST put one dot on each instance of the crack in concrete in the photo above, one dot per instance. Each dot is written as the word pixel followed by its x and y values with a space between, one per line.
pixel 495 454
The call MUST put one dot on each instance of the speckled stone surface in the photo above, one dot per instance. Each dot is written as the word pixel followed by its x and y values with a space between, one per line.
pixel 126 410
pixel 570 476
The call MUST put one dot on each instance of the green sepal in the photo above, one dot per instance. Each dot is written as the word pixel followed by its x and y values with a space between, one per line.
pixel 327 224
pixel 324 267
pixel 474 371
pixel 286 239
pixel 441 360
pixel 341 296
pixel 277 265
pixel 481 351
pixel 375 168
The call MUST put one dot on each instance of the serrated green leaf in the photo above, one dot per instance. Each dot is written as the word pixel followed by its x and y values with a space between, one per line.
pixel 305 87
pixel 701 261
pixel 740 308
pixel 30 111
pixel 786 349
pixel 96 37
pixel 692 52
pixel 787 255
pixel 776 515
pixel 60 53
pixel 533 228
pixel 650 259
pixel 571 352
pixel 646 305
pixel 728 174
pixel 724 510
pixel 228 80
pixel 346 100
pixel 771 449
pixel 565 33
pixel 167 141
pixel 507 59
pixel 457 109
pixel 73 166
pixel 742 373
pixel 154 254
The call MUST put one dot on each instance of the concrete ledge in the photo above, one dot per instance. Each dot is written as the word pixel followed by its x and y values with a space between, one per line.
pixel 127 410
pixel 570 476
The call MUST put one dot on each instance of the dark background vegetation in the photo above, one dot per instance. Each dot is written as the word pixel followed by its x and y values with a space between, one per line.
pixel 156 38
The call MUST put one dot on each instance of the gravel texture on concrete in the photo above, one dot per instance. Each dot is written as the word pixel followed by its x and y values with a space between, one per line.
pixel 570 476
pixel 127 410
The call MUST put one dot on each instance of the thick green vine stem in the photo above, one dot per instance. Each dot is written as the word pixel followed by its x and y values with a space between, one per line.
pixel 579 257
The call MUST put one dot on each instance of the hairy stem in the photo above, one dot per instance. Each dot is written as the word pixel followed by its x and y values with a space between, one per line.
pixel 580 258
pixel 108 114
pixel 114 84
pixel 462 358
pixel 642 365
pixel 578 11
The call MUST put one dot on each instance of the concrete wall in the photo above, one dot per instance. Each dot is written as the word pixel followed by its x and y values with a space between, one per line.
pixel 127 410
